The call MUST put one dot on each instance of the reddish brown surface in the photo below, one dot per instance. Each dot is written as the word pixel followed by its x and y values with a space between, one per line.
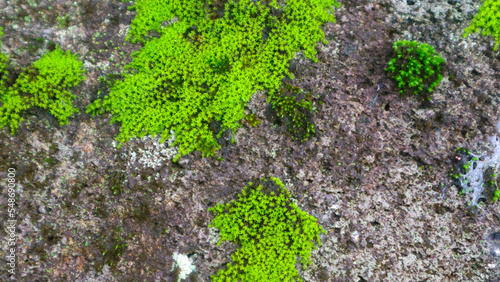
pixel 386 218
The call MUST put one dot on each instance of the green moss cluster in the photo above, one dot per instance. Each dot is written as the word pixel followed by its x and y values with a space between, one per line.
pixel 43 84
pixel 462 163
pixel 252 120
pixel 416 68
pixel 3 65
pixel 298 112
pixel 488 20
pixel 204 67
pixel 492 185
pixel 270 230
pixel 496 196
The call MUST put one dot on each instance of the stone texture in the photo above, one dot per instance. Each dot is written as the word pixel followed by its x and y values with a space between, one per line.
pixel 375 175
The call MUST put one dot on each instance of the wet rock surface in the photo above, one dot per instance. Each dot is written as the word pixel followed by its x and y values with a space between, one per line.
pixel 375 175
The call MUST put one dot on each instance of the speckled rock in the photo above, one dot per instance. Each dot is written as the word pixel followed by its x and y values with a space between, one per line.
pixel 375 174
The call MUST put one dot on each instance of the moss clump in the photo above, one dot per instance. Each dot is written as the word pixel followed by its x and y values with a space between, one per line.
pixel 270 230
pixel 297 108
pixel 496 195
pixel 252 120
pixel 3 65
pixel 488 20
pixel 416 68
pixel 491 183
pixel 44 84
pixel 204 67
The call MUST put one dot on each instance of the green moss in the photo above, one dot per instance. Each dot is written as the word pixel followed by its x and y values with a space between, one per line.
pixel 462 150
pixel 416 68
pixel 488 20
pixel 297 111
pixel 270 231
pixel 492 185
pixel 64 21
pixel 204 69
pixel 496 195
pixel 3 65
pixel 252 120
pixel 43 84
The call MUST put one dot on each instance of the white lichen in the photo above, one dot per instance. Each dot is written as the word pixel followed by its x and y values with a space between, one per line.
pixel 184 263
pixel 154 152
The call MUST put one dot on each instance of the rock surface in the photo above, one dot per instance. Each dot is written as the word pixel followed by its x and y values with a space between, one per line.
pixel 375 175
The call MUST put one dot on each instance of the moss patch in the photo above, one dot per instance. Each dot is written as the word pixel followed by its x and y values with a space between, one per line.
pixel 204 63
pixel 269 229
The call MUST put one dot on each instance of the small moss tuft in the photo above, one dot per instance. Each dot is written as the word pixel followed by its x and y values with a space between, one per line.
pixel 43 84
pixel 296 108
pixel 270 230
pixel 3 66
pixel 416 68
pixel 252 120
